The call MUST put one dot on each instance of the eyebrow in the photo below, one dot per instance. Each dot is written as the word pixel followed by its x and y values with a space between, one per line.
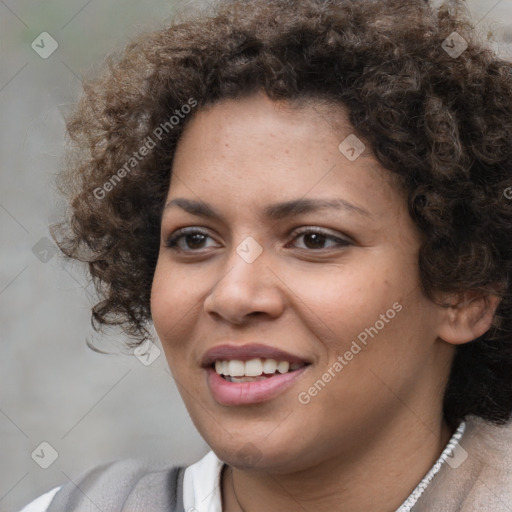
pixel 276 211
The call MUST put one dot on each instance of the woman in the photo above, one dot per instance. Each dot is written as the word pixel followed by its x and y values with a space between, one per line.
pixel 308 201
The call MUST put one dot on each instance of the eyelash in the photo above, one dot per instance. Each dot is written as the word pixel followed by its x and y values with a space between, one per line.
pixel 172 242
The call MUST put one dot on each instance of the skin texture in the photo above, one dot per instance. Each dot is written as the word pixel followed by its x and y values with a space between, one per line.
pixel 366 440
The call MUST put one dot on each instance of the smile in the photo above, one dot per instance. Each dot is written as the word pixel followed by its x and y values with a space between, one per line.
pixel 250 374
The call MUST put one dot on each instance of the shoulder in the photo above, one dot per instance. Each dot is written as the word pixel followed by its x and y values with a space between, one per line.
pixel 478 474
pixel 485 467
pixel 108 487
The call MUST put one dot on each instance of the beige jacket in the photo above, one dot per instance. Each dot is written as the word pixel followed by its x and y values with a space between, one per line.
pixel 480 477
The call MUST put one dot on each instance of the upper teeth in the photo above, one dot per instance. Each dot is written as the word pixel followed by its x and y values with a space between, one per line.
pixel 253 367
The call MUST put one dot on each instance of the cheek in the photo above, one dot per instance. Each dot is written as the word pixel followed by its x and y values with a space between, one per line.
pixel 174 302
pixel 341 303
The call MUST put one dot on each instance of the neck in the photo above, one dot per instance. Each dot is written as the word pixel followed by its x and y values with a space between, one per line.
pixel 377 480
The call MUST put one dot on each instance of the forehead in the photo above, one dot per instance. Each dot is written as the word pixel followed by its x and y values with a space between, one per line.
pixel 239 129
pixel 308 118
pixel 253 147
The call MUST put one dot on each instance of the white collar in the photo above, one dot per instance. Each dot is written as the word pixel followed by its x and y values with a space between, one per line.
pixel 201 485
pixel 202 491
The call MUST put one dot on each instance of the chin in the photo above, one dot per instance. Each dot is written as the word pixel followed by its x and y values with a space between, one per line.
pixel 245 454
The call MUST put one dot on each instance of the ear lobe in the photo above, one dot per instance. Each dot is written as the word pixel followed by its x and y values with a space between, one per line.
pixel 467 316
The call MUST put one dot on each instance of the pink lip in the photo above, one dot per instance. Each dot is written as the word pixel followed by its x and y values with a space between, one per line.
pixel 246 352
pixel 245 393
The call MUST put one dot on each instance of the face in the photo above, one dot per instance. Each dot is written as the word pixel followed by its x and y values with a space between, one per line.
pixel 277 246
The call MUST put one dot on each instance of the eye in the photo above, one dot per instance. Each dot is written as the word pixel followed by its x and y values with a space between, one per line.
pixel 315 239
pixel 188 239
pixel 193 239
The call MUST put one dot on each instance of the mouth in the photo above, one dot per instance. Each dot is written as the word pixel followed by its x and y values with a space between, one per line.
pixel 243 375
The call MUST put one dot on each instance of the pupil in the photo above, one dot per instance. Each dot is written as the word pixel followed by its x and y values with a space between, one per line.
pixel 317 239
pixel 195 240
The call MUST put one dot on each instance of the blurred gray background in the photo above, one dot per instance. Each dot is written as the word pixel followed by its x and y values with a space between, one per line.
pixel 89 408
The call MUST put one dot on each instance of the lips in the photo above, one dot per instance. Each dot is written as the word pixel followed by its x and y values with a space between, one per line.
pixel 249 393
pixel 230 391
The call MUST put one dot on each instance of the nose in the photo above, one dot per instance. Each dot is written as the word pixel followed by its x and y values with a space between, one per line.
pixel 246 290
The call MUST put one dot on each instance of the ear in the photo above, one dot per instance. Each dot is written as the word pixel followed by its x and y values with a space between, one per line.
pixel 466 316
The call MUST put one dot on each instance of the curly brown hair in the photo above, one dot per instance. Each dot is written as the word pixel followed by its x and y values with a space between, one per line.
pixel 442 123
